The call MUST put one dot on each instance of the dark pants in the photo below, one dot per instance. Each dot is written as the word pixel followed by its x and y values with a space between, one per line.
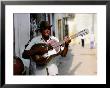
pixel 82 40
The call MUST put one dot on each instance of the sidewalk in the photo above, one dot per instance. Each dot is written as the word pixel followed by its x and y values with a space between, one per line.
pixel 83 61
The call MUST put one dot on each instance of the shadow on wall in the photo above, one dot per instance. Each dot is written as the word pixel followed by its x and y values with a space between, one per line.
pixel 66 63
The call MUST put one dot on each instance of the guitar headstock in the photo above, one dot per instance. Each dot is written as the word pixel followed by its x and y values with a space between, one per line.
pixel 83 32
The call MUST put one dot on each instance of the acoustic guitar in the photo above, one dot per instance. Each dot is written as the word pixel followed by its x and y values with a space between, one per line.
pixel 44 58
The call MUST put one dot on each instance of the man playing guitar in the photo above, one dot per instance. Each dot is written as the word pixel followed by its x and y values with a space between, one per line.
pixel 50 68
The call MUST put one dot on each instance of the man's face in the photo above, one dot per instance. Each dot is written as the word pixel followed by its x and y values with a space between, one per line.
pixel 46 32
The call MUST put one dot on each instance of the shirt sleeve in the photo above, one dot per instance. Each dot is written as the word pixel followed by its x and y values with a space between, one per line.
pixel 33 41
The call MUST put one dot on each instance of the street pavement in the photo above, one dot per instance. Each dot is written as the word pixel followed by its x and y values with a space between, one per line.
pixel 79 61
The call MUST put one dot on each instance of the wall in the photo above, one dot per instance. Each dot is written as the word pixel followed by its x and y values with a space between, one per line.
pixel 59 16
pixel 83 21
pixel 22 34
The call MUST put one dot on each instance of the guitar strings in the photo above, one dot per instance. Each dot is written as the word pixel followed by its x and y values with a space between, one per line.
pixel 83 32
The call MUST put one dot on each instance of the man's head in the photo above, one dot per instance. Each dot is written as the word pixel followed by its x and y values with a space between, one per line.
pixel 45 28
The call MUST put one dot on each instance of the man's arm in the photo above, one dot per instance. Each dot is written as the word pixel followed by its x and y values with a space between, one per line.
pixel 67 40
pixel 28 52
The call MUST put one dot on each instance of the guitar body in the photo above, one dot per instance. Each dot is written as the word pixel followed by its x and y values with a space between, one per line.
pixel 43 56
pixel 39 57
pixel 40 47
pixel 40 60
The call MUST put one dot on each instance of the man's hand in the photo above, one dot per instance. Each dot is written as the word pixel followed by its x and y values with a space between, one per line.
pixel 67 40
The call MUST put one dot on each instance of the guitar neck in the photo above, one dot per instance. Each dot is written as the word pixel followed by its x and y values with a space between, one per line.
pixel 81 33
pixel 62 43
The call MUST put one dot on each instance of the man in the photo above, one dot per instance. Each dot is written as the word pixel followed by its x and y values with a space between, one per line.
pixel 82 40
pixel 51 67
